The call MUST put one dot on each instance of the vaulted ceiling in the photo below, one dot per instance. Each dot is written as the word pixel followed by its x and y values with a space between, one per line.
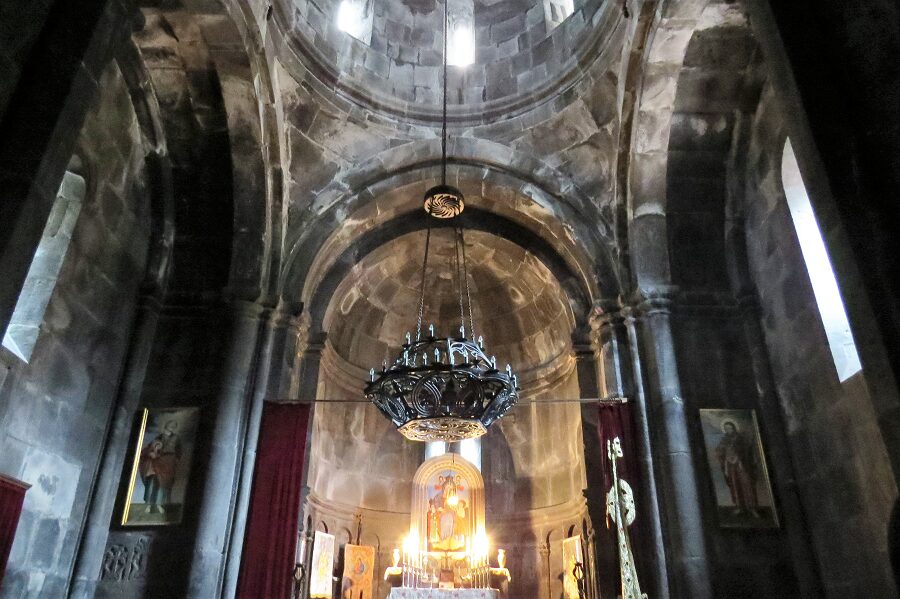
pixel 597 147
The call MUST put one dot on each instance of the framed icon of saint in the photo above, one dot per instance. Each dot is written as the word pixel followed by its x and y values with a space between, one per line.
pixel 737 466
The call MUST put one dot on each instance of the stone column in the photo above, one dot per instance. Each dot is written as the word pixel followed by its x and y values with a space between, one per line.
pixel 597 555
pixel 233 403
pixel 304 387
pixel 92 546
pixel 654 549
pixel 544 552
pixel 281 336
pixel 672 450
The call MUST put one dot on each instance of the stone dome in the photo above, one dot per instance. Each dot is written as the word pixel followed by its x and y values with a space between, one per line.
pixel 390 55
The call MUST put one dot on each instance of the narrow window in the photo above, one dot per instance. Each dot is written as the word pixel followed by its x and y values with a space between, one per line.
pixel 818 265
pixel 460 33
pixel 356 17
pixel 434 449
pixel 25 324
pixel 557 11
pixel 469 449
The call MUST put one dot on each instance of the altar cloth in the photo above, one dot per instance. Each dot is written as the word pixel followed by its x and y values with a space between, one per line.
pixel 401 593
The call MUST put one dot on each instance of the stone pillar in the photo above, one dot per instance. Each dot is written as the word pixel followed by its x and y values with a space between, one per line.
pixel 654 548
pixel 600 561
pixel 304 387
pixel 102 503
pixel 672 451
pixel 281 336
pixel 610 344
pixel 233 403
pixel 544 552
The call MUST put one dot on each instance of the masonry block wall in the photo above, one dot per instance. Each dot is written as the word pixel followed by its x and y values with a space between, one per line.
pixel 841 463
pixel 54 410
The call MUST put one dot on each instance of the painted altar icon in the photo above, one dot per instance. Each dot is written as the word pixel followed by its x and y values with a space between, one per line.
pixel 738 468
pixel 448 519
pixel 572 560
pixel 321 573
pixel 447 505
pixel 359 568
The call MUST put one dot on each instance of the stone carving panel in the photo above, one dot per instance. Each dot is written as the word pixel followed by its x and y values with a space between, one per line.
pixel 124 562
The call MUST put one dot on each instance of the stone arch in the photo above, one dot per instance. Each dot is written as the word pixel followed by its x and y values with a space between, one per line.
pixel 473 219
pixel 717 93
pixel 214 104
pixel 341 214
pixel 645 176
pixel 157 164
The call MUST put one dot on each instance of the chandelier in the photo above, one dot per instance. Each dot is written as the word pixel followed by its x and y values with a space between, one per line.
pixel 444 388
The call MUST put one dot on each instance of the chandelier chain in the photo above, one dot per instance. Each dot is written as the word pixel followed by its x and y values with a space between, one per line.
pixel 459 278
pixel 444 120
pixel 462 243
pixel 422 283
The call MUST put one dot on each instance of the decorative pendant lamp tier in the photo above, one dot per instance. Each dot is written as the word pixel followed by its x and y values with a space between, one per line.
pixel 444 388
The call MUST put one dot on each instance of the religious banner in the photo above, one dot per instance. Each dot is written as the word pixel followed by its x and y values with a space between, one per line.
pixel 738 468
pixel 321 573
pixel 359 569
pixel 571 555
pixel 157 487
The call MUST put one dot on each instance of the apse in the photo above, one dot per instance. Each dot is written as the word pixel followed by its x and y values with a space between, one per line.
pixel 532 459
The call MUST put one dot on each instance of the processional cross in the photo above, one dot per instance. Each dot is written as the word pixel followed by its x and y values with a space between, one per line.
pixel 620 508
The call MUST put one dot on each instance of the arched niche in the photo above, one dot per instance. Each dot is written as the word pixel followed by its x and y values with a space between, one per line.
pixel 447 504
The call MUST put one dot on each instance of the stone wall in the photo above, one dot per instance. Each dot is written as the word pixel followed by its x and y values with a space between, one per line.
pixel 717 371
pixel 55 409
pixel 183 369
pixel 843 470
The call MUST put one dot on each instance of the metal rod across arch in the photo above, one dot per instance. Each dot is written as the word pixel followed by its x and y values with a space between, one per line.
pixel 587 400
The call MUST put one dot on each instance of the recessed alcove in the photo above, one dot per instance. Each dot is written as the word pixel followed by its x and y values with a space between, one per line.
pixel 532 460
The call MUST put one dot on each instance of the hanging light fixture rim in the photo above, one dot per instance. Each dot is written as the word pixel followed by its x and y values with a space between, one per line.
pixel 444 201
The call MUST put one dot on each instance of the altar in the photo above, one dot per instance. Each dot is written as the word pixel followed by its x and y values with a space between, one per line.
pixel 446 554
pixel 403 593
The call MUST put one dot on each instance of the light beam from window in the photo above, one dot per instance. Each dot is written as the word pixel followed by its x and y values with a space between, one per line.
pixel 818 265
pixel 355 18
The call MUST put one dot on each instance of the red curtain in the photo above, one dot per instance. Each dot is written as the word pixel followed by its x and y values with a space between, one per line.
pixel 617 421
pixel 268 559
pixel 12 496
